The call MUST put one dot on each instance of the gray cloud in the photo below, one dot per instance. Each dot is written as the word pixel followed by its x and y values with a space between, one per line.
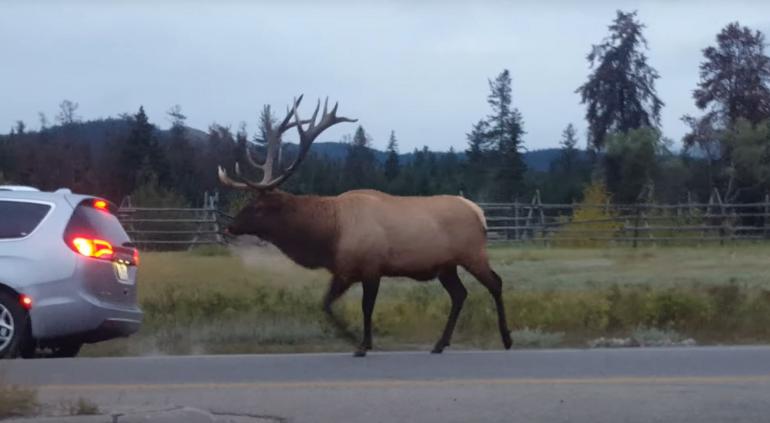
pixel 420 70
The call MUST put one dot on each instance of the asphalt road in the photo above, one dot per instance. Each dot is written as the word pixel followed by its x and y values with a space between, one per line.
pixel 624 385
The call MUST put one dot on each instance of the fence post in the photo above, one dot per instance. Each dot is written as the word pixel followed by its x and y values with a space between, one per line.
pixel 516 233
pixel 637 222
pixel 528 229
pixel 716 201
pixel 765 217
pixel 542 217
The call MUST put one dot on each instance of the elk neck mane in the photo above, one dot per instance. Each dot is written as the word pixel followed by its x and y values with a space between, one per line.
pixel 306 229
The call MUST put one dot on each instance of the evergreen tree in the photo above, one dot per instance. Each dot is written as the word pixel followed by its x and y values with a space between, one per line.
pixel 734 86
pixel 505 134
pixel 568 151
pixel 735 77
pixel 360 164
pixel 181 157
pixel 391 162
pixel 478 142
pixel 620 92
pixel 20 127
pixel 448 179
pixel 43 121
pixel 141 152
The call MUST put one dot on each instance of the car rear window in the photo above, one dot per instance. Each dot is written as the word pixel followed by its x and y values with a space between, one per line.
pixel 18 219
pixel 90 222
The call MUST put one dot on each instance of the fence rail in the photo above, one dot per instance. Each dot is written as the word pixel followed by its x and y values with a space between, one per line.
pixel 623 224
pixel 173 228
pixel 531 222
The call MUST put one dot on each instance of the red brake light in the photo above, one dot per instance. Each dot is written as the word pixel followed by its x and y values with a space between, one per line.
pixel 96 248
pixel 25 301
pixel 136 257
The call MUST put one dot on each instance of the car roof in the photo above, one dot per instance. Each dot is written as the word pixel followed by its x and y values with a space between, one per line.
pixel 17 188
pixel 30 193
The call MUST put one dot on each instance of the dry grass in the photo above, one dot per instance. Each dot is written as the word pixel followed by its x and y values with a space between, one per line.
pixel 256 300
pixel 17 401
pixel 81 407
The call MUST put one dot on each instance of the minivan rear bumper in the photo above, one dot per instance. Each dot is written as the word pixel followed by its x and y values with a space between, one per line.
pixel 110 329
pixel 76 314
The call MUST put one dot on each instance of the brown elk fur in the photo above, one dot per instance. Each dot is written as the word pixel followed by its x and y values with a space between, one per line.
pixel 363 235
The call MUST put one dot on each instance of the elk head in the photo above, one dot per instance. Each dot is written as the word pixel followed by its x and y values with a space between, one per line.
pixel 269 204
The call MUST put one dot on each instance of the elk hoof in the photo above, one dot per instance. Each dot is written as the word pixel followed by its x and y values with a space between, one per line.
pixel 438 349
pixel 507 341
pixel 361 352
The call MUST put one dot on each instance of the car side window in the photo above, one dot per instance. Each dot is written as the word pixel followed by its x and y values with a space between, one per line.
pixel 18 219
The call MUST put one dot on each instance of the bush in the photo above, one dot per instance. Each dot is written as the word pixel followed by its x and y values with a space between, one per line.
pixel 588 220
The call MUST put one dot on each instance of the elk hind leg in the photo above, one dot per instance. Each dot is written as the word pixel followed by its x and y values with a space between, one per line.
pixel 494 284
pixel 370 288
pixel 457 292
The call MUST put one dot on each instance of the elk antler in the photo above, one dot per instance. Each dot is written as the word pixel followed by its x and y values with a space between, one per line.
pixel 273 140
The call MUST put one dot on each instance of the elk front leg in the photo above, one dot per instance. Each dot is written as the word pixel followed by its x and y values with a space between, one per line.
pixel 337 287
pixel 367 306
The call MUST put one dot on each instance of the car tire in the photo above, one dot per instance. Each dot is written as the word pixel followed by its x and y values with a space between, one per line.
pixel 15 339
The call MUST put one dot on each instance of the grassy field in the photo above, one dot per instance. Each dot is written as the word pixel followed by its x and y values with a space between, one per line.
pixel 255 300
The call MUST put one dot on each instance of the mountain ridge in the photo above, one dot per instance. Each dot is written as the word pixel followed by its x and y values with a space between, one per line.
pixel 96 131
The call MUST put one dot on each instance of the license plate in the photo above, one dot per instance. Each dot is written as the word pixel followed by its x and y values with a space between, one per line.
pixel 121 270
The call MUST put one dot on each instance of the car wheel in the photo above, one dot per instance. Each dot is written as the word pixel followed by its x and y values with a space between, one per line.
pixel 14 327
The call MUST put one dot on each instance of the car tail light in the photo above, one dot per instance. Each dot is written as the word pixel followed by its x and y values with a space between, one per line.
pixel 101 205
pixel 136 257
pixel 91 247
pixel 25 301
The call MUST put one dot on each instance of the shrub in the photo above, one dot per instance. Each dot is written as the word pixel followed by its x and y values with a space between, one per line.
pixel 591 223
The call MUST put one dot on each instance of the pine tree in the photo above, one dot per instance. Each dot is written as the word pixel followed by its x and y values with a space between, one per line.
pixel 360 163
pixel 391 162
pixel 181 157
pixel 568 150
pixel 141 151
pixel 735 77
pixel 478 142
pixel 734 86
pixel 505 135
pixel 620 92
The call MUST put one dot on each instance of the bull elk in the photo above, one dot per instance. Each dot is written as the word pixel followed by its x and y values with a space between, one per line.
pixel 364 235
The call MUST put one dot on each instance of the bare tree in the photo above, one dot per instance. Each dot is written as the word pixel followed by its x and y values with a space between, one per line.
pixel 67 114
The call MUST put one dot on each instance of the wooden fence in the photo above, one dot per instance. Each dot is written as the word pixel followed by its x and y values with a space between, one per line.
pixel 174 228
pixel 531 222
pixel 628 224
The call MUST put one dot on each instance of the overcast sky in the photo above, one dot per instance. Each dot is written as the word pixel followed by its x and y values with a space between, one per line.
pixel 420 70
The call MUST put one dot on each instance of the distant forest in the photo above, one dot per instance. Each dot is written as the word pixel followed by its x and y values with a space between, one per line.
pixel 727 148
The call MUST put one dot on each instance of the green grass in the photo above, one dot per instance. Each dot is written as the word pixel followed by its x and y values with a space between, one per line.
pixel 256 300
